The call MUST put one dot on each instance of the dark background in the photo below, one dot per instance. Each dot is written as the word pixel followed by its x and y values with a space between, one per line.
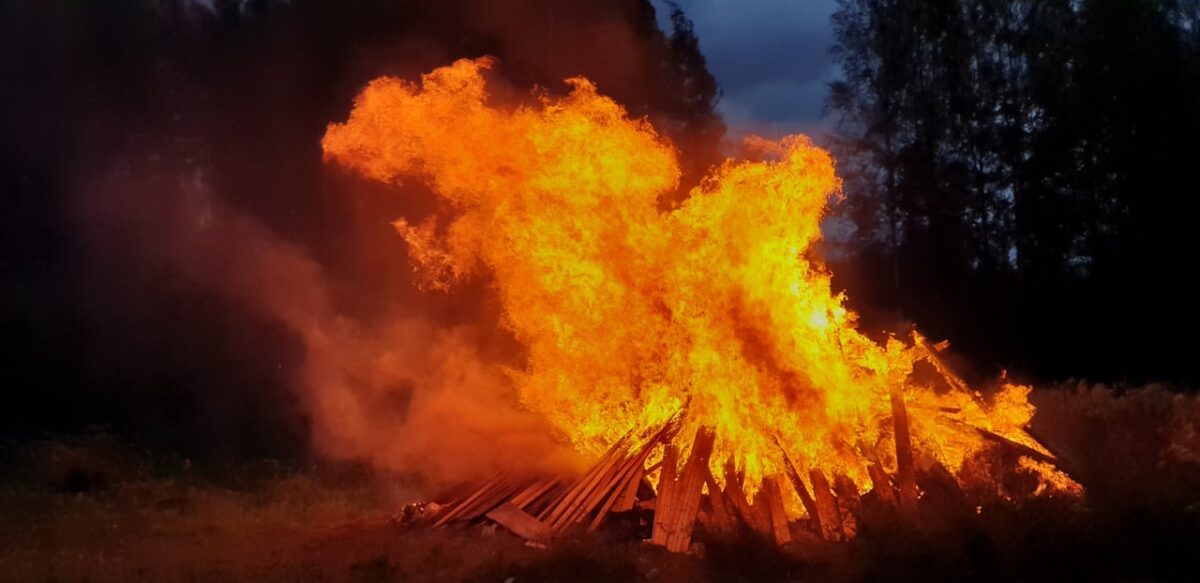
pixel 1021 178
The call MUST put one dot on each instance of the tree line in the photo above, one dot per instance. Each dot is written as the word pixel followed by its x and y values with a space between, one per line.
pixel 1022 178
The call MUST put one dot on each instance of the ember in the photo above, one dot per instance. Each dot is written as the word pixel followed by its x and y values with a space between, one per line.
pixel 700 350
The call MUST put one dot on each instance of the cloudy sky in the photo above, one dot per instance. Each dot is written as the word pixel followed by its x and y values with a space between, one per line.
pixel 771 58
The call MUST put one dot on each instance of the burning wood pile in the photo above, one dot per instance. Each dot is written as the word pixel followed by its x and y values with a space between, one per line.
pixel 710 328
pixel 541 508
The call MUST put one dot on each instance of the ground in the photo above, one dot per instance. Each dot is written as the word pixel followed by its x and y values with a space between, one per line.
pixel 92 508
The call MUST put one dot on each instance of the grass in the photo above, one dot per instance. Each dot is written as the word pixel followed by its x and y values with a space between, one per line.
pixel 90 508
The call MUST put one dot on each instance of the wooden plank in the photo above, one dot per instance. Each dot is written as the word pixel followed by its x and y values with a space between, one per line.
pixel 565 514
pixel 629 498
pixel 486 503
pixel 687 495
pixel 775 510
pixel 520 522
pixel 629 495
pixel 527 491
pixel 846 489
pixel 549 503
pixel 689 492
pixel 882 485
pixel 455 493
pixel 612 493
pixel 849 503
pixel 906 479
pixel 553 513
pixel 827 507
pixel 450 510
pixel 601 488
pixel 738 500
pixel 628 482
pixel 953 380
pixel 881 482
pixel 630 476
pixel 761 509
pixel 722 515
pixel 666 487
pixel 550 497
pixel 616 492
pixel 565 497
pixel 1017 447
pixel 606 492
pixel 483 490
pixel 669 464
pixel 533 492
pixel 735 492
pixel 1058 459
pixel 793 474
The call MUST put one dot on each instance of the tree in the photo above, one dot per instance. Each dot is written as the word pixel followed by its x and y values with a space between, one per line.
pixel 1008 163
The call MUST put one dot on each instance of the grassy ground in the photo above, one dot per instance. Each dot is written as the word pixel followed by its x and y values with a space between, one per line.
pixel 91 509
pixel 85 509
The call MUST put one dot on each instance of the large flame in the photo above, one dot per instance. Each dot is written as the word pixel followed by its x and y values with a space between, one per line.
pixel 713 311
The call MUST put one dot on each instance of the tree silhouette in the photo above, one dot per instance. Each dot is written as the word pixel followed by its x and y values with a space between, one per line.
pixel 1017 174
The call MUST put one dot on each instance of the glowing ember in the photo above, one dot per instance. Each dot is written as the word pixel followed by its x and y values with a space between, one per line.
pixel 711 311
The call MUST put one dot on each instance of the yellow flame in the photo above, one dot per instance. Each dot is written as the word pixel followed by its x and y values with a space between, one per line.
pixel 631 315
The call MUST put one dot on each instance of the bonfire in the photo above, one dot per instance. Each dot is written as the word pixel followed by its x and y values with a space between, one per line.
pixel 697 354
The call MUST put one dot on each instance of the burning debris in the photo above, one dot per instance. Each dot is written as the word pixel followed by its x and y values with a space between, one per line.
pixel 699 353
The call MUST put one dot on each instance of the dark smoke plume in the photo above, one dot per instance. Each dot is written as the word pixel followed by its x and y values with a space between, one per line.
pixel 179 264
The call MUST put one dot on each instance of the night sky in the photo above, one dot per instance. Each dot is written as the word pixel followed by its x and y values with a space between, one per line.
pixel 771 58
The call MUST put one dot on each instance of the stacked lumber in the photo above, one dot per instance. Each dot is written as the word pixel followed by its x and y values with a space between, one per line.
pixel 540 508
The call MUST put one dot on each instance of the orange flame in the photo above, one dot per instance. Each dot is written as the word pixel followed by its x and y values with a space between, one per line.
pixel 712 312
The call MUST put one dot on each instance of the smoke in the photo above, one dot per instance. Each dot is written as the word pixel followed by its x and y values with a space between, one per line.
pixel 180 264
pixel 409 394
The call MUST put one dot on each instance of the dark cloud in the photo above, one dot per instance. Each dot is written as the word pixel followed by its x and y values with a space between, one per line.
pixel 771 58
